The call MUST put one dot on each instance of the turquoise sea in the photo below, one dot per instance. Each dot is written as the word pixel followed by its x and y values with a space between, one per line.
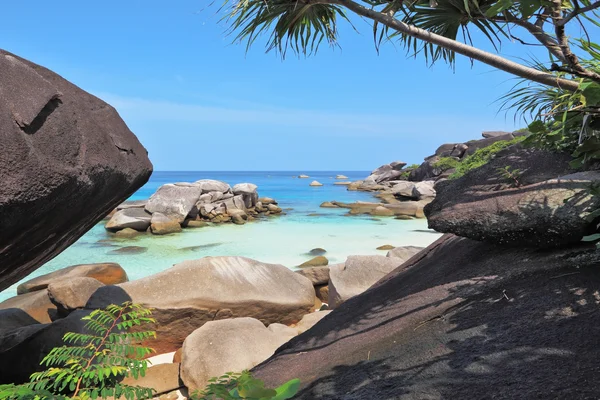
pixel 283 239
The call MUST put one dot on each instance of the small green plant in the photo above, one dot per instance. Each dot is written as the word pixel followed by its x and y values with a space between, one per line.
pixel 446 163
pixel 232 386
pixel 512 174
pixel 412 166
pixel 482 156
pixel 90 366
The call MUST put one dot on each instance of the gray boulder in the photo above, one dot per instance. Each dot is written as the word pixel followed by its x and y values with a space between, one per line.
pixel 493 134
pixel 310 320
pixel 175 200
pixel 404 252
pixel 134 218
pixel 107 273
pixel 356 275
pixel 163 225
pixel 404 189
pixel 67 160
pixel 210 185
pixel 132 204
pixel 73 293
pixel 244 188
pixel 317 275
pixel 424 190
pixel 194 292
pixel 235 203
pixel 224 346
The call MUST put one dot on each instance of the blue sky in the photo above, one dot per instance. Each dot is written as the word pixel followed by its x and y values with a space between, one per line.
pixel 198 102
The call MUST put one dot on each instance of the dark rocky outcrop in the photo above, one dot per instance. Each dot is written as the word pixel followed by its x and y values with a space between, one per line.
pixel 22 348
pixel 461 320
pixel 543 204
pixel 67 159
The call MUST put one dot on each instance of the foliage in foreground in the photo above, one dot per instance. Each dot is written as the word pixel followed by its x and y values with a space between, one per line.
pixel 232 386
pixel 91 365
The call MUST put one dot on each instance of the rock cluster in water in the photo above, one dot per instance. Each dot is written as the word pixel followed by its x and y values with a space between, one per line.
pixel 192 205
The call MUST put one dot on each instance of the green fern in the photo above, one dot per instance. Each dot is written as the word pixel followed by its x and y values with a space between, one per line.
pixel 90 366
pixel 233 386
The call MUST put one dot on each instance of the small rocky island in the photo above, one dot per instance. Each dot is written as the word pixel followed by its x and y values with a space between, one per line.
pixel 190 205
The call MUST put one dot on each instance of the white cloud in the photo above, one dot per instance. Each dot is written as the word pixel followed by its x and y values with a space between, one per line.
pixel 335 123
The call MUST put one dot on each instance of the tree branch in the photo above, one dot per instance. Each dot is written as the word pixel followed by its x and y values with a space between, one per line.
pixel 577 11
pixel 537 32
pixel 453 45
pixel 573 65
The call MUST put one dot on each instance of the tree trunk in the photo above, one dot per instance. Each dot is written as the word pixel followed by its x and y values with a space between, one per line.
pixel 493 60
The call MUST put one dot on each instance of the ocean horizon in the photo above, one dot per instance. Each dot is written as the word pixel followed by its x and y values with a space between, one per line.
pixel 284 239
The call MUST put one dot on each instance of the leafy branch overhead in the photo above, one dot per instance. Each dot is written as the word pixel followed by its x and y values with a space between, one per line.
pixel 437 29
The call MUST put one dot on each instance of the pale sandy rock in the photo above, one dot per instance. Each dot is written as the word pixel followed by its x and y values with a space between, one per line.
pixel 211 185
pixel 356 275
pixel 72 293
pixel 231 345
pixel 194 292
pixel 107 273
pixel 134 218
pixel 404 252
pixel 163 225
pixel 310 320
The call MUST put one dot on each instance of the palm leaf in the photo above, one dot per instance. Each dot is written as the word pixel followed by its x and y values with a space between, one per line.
pixel 288 24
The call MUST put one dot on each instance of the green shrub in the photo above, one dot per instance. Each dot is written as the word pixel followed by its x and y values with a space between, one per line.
pixel 232 386
pixel 91 365
pixel 412 166
pixel 482 156
pixel 446 163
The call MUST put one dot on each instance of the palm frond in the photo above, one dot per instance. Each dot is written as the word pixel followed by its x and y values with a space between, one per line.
pixel 289 24
pixel 451 19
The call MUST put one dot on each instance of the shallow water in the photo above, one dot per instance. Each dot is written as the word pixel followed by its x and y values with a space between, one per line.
pixel 281 239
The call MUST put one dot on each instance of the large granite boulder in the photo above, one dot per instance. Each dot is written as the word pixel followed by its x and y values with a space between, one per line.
pixel 356 275
pixel 67 160
pixel 107 273
pixel 175 200
pixel 134 218
pixel 192 293
pixel 468 320
pixel 232 345
pixel 539 206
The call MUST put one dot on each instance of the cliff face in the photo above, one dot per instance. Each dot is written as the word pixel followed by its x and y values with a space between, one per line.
pixel 508 309
pixel 66 160
pixel 460 320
